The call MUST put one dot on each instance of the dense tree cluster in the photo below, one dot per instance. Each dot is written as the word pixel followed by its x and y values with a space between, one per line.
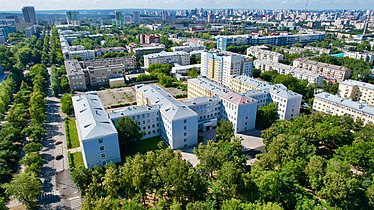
pixel 59 81
pixel 312 162
pixel 161 73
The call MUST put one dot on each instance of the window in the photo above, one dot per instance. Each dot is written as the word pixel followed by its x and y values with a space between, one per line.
pixel 185 127
pixel 185 140
pixel 185 133
pixel 102 155
pixel 102 148
pixel 185 121
pixel 101 141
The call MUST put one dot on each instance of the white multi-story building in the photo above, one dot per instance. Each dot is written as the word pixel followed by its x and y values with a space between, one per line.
pixel 329 71
pixel 220 66
pixel 188 48
pixel 184 70
pixel 299 73
pixel 179 57
pixel 208 109
pixel 178 123
pixel 235 107
pixel 335 105
pixel 366 56
pixel 98 137
pixel 288 102
pixel 357 91
pixel 318 50
pixel 147 118
pixel 262 54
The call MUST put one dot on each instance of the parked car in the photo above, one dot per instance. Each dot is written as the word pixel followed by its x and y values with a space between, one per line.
pixel 58 142
pixel 59 157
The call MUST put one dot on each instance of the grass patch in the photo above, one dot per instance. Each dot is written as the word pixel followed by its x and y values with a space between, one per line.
pixel 143 146
pixel 75 160
pixel 72 134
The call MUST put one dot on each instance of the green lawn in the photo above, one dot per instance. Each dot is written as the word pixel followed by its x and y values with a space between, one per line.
pixel 143 146
pixel 73 133
pixel 76 160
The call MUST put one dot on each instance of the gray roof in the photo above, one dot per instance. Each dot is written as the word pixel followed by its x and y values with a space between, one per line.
pixel 358 83
pixel 346 102
pixel 170 106
pixel 91 118
pixel 210 85
pixel 165 54
pixel 200 100
pixel 132 110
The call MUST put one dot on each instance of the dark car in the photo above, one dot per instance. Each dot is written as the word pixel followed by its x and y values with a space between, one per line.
pixel 59 157
pixel 58 142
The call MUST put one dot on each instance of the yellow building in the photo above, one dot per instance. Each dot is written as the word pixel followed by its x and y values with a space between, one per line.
pixel 357 91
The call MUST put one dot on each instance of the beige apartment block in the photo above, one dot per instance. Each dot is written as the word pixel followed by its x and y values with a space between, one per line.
pixel 335 105
pixel 357 91
pixel 329 71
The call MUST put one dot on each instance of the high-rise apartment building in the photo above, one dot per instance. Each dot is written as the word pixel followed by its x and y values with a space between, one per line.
pixel 72 18
pixel 136 17
pixel 29 15
pixel 219 66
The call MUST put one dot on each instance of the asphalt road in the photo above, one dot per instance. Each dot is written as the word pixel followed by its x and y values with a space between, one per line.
pixel 59 191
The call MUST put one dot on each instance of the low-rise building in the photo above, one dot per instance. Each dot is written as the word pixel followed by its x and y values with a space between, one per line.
pixel 97 135
pixel 149 38
pixel 179 57
pixel 102 51
pixel 188 48
pixel 147 118
pixel 262 54
pixel 179 124
pixel 366 56
pixel 140 51
pixel 318 50
pixel 184 70
pixel 357 91
pixel 299 73
pixel 288 102
pixel 92 73
pixel 235 107
pixel 335 105
pixel 328 71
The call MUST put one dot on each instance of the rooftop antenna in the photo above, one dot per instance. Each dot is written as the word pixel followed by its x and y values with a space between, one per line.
pixel 306 5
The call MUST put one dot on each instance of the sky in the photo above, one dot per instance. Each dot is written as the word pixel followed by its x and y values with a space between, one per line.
pixel 12 5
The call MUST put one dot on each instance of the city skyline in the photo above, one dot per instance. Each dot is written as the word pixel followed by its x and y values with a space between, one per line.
pixel 188 4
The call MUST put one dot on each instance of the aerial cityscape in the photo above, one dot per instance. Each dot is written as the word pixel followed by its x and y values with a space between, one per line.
pixel 187 105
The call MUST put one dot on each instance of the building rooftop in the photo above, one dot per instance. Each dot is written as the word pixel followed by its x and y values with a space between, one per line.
pixel 346 102
pixel 320 64
pixel 252 81
pixel 91 117
pixel 132 110
pixel 200 100
pixel 358 83
pixel 238 99
pixel 164 54
pixel 169 105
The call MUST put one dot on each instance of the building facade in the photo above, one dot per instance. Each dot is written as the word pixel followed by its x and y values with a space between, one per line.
pixel 357 91
pixel 84 74
pixel 97 135
pixel 179 124
pixel 179 57
pixel 29 15
pixel 220 66
pixel 335 105
pixel 299 73
pixel 328 71
pixel 262 54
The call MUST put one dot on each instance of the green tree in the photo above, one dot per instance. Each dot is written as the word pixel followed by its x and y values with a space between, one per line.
pixel 225 131
pixel 64 84
pixel 266 116
pixel 26 188
pixel 193 73
pixel 128 132
pixel 32 147
pixel 67 104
